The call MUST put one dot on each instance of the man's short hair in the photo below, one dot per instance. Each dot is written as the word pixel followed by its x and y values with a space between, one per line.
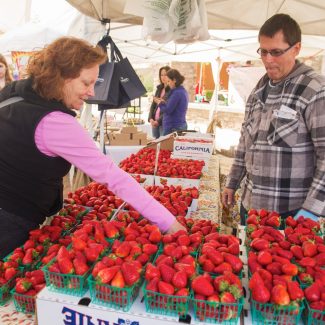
pixel 284 23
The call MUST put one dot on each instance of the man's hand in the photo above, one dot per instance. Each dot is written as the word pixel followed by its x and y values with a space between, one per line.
pixel 227 198
pixel 175 227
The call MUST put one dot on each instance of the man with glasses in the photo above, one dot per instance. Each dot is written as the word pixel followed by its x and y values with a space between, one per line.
pixel 280 158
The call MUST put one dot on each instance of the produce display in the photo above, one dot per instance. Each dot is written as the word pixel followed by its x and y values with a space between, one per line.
pixel 281 264
pixel 175 198
pixel 143 162
pixel 198 272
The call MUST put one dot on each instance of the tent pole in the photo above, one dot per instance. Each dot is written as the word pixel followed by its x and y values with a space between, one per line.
pixel 216 64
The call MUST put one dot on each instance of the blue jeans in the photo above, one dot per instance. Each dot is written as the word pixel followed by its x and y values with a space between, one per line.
pixel 175 128
pixel 157 131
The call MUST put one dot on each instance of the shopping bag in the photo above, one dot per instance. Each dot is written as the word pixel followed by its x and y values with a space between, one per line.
pixel 118 83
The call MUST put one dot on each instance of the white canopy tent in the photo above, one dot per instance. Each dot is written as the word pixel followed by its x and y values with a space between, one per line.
pixel 223 14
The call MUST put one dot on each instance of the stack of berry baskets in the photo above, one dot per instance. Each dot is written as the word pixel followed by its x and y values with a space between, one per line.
pixel 8 274
pixel 68 271
pixel 167 282
pixel 25 290
pixel 217 299
pixel 115 286
pixel 117 277
pixel 218 254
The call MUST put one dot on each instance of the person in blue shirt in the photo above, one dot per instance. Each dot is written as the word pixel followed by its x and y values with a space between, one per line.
pixel 175 108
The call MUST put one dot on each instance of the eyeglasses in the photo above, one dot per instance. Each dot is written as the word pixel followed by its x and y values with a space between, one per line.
pixel 275 52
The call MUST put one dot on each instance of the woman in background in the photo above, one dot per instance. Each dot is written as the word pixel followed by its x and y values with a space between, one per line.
pixel 155 114
pixel 5 75
pixel 175 108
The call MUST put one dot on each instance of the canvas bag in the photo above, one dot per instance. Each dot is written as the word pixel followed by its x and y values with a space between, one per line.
pixel 117 82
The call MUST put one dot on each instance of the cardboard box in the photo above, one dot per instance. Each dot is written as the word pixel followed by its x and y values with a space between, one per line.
pixel 120 139
pixel 129 129
pixel 53 308
pixel 166 142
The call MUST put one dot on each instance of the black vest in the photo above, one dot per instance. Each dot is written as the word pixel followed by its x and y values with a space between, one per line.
pixel 30 182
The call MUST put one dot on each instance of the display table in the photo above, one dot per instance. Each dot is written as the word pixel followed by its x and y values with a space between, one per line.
pixel 49 302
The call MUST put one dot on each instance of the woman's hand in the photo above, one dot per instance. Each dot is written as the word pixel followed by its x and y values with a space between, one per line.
pixel 176 226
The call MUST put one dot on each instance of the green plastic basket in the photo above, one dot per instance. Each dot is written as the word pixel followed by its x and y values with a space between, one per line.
pixel 313 316
pixel 162 304
pixel 5 290
pixel 30 266
pixel 272 314
pixel 113 297
pixel 23 303
pixel 214 312
pixel 71 284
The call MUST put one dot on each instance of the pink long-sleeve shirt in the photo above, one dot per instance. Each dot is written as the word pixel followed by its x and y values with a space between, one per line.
pixel 60 134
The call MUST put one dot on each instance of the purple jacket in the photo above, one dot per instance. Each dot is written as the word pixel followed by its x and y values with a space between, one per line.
pixel 175 108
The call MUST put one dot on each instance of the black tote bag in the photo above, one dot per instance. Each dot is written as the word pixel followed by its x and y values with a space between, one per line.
pixel 117 82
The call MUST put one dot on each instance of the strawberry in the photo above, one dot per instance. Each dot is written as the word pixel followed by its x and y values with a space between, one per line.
pixel 207 266
pixel 78 243
pixel 306 278
pixel 291 222
pixel 307 261
pixel 130 273
pixel 223 267
pixel 23 285
pixel 280 295
pixel 259 244
pixel 261 294
pixel 313 292
pixel 221 283
pixel 183 240
pixel 274 221
pixel 80 266
pixel 215 257
pixel 110 230
pixel 294 290
pixel 151 272
pixel 188 268
pixel 30 243
pixel 65 265
pixel 309 249
pixel 253 219
pixel 149 249
pixel 179 279
pixel 227 298
pixel 290 269
pixel 10 273
pixel 201 285
pixel 182 292
pixel 165 288
pixel 118 280
pixel 105 275
pixel 152 285
pixel 297 252
pixel 264 257
pixel 155 236
pixel 234 261
pixel 123 250
pixel 274 268
pixel 30 255
pixel 63 253
pixel 167 273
